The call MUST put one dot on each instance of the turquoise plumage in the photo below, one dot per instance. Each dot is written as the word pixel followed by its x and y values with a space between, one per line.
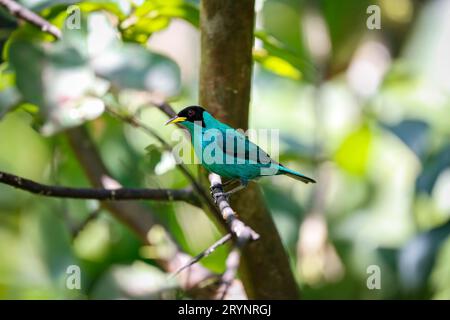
pixel 226 151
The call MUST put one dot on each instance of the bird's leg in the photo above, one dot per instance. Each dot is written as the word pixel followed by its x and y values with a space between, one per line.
pixel 241 186
pixel 227 194
pixel 223 185
pixel 228 182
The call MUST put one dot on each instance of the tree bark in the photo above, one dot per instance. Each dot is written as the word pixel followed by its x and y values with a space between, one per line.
pixel 225 82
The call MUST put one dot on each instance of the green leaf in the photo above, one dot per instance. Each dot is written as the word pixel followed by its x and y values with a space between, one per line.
pixel 272 47
pixel 276 65
pixel 153 16
pixel 144 28
pixel 153 156
pixel 113 7
pixel 58 80
pixel 353 154
pixel 133 66
pixel 129 65
pixel 171 9
pixel 9 99
pixel 9 95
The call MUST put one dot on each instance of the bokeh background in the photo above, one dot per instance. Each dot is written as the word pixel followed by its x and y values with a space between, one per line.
pixel 366 112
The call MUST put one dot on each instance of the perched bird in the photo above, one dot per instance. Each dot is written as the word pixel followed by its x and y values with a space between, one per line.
pixel 227 152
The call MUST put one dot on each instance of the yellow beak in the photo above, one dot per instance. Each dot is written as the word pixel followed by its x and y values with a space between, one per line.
pixel 175 119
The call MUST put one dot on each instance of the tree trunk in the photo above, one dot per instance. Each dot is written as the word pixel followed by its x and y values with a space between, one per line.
pixel 225 81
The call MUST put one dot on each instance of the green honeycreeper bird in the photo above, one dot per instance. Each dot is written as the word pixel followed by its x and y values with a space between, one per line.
pixel 227 152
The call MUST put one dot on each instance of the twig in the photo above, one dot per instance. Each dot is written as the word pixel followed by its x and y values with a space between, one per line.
pixel 239 230
pixel 23 13
pixel 242 234
pixel 78 228
pixel 205 253
pixel 186 195
pixel 232 266
pixel 164 106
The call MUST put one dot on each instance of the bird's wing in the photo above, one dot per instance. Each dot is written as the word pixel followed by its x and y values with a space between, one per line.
pixel 236 144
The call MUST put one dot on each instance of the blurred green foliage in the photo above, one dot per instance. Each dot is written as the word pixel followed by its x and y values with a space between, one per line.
pixel 367 112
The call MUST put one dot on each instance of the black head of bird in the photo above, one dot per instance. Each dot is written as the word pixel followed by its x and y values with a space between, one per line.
pixel 191 114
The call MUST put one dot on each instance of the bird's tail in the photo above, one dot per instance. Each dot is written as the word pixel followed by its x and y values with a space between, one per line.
pixel 295 175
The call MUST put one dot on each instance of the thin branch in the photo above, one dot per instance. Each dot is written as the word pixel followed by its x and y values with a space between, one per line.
pixel 91 217
pixel 242 234
pixel 164 106
pixel 205 253
pixel 25 14
pixel 239 230
pixel 232 266
pixel 186 195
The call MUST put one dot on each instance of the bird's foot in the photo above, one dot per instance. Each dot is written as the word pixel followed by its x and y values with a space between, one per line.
pixel 212 189
pixel 218 195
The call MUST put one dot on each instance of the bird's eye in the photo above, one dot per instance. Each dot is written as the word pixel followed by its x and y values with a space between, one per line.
pixel 191 113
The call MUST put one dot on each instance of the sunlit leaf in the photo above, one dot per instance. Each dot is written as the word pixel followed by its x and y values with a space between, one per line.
pixel 136 281
pixel 169 8
pixel 107 5
pixel 353 153
pixel 153 16
pixel 276 65
pixel 298 60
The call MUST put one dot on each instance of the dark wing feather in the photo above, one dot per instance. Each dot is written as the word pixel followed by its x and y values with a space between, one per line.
pixel 239 146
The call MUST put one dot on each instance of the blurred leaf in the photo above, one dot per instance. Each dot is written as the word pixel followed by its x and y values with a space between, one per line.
pixel 143 28
pixel 170 9
pixel 417 258
pixel 9 96
pixel 432 168
pixel 153 157
pixel 128 65
pixel 276 65
pixel 112 6
pixel 6 77
pixel 294 150
pixel 9 99
pixel 413 133
pixel 28 78
pixel 134 67
pixel 152 16
pixel 58 80
pixel 440 277
pixel 37 5
pixel 61 77
pixel 352 155
pixel 297 58
pixel 346 21
pixel 137 281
